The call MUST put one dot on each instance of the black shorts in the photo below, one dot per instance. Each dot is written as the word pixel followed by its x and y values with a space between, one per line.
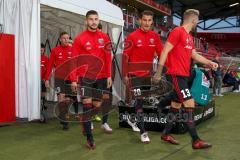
pixel 93 88
pixel 139 86
pixel 181 88
pixel 43 87
pixel 63 87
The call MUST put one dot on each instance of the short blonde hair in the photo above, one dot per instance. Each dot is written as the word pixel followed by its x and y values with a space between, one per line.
pixel 190 12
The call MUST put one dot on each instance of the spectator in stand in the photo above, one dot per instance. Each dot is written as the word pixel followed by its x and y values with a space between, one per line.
pixel 238 73
pixel 210 75
pixel 235 75
pixel 206 46
pixel 231 80
pixel 217 76
pixel 204 43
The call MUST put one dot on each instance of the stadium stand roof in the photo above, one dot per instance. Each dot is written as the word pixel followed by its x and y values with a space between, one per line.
pixel 209 9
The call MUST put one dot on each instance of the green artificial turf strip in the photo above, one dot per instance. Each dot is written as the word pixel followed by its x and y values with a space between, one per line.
pixel 35 141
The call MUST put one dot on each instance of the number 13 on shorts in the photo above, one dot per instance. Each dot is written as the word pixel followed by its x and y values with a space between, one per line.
pixel 186 93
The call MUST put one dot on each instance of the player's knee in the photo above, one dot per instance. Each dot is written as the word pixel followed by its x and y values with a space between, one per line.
pixel 138 105
pixel 106 96
pixel 97 103
pixel 176 105
pixel 188 115
pixel 189 103
pixel 61 97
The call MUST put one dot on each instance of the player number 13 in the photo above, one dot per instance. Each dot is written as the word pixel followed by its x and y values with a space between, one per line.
pixel 186 93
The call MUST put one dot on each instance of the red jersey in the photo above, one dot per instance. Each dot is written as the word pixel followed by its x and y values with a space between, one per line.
pixel 44 62
pixel 58 56
pixel 142 48
pixel 93 43
pixel 179 58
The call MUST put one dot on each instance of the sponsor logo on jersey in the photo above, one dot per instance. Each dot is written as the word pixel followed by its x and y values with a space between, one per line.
pixel 188 45
pixel 205 81
pixel 151 40
pixel 88 46
pixel 139 43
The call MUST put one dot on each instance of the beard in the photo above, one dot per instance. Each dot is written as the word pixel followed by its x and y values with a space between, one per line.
pixel 93 27
pixel 194 28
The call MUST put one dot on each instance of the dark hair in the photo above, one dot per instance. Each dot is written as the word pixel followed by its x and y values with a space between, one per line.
pixel 91 12
pixel 62 33
pixel 42 45
pixel 99 26
pixel 146 13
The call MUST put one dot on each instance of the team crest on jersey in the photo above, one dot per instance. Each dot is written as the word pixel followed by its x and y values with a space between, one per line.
pixel 100 41
pixel 205 81
pixel 151 42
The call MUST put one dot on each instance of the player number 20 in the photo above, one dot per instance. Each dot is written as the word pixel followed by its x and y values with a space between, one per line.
pixel 137 92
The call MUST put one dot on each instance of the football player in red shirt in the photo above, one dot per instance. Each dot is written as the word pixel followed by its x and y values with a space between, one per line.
pixel 179 49
pixel 59 55
pixel 144 44
pixel 92 42
pixel 44 62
